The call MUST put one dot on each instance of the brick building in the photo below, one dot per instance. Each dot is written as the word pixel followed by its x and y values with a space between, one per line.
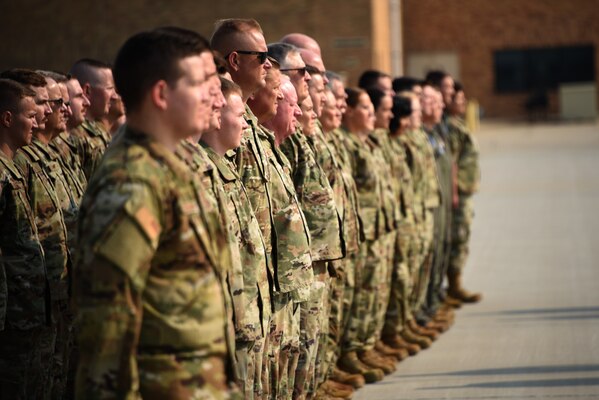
pixel 397 36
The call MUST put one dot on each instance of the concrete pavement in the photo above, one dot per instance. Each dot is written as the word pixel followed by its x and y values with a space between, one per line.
pixel 535 256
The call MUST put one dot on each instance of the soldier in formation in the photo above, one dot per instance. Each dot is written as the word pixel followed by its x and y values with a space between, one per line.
pixel 225 219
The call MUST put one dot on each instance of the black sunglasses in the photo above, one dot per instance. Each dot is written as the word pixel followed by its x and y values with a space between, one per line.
pixel 59 102
pixel 262 55
pixel 302 70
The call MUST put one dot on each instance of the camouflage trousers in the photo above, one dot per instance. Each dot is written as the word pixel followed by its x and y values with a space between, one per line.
pixel 283 346
pixel 421 275
pixel 26 365
pixel 371 267
pixel 460 233
pixel 406 249
pixel 249 367
pixel 185 377
pixel 313 320
pixel 441 252
pixel 383 289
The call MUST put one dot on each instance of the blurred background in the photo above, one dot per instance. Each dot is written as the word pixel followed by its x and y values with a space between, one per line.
pixel 520 59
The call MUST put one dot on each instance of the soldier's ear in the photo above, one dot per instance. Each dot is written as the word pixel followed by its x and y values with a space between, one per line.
pixel 159 95
pixel 233 60
pixel 87 88
pixel 6 119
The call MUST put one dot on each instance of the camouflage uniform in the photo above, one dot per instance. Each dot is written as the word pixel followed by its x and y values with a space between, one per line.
pixel 252 325
pixel 265 170
pixel 150 285
pixel 25 310
pixel 372 257
pixel 427 199
pixel 68 149
pixel 94 140
pixel 442 215
pixel 46 205
pixel 316 198
pixel 335 160
pixel 465 155
pixel 407 244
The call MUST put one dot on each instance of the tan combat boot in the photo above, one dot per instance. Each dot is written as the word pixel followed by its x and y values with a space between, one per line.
pixel 422 331
pixel 452 302
pixel 349 362
pixel 411 337
pixel 337 389
pixel 456 290
pixel 399 354
pixel 373 359
pixel 355 380
pixel 397 342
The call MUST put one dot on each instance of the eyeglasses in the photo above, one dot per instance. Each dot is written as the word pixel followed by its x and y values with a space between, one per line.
pixel 58 102
pixel 302 71
pixel 262 55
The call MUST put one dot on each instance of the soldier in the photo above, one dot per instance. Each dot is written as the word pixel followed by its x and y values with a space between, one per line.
pixel 359 353
pixel 436 130
pixel 252 324
pixel 69 147
pixel 374 79
pixel 317 202
pixel 43 176
pixel 95 78
pixel 24 296
pixel 264 171
pixel 146 243
pixel 465 152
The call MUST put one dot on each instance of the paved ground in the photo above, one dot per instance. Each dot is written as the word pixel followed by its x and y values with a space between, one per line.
pixel 535 255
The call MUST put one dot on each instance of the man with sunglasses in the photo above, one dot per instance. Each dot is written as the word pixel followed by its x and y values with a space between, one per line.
pixel 264 172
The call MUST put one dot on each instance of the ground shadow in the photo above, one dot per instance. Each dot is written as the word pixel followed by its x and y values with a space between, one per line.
pixel 524 384
pixel 541 369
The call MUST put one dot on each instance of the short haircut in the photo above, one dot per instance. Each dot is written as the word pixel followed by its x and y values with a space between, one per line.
pixel 225 28
pixel 369 78
pixel 280 51
pixel 85 70
pixel 332 76
pixel 402 108
pixel 25 77
pixel 405 83
pixel 229 87
pixel 376 95
pixel 151 56
pixel 435 77
pixel 11 93
pixel 220 62
pixel 353 96
pixel 56 76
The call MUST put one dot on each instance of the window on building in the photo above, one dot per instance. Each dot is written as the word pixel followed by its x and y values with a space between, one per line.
pixel 525 70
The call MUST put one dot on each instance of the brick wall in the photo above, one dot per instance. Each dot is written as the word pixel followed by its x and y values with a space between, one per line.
pixel 475 28
pixel 53 34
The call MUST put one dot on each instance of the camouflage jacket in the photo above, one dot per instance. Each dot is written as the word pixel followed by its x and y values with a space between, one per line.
pixel 95 141
pixel 443 159
pixel 424 170
pixel 390 188
pixel 149 288
pixel 46 205
pixel 70 162
pixel 24 298
pixel 59 178
pixel 368 182
pixel 315 195
pixel 353 232
pixel 465 155
pixel 265 172
pixel 243 225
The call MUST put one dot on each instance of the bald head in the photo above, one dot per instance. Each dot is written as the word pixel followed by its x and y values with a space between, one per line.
pixel 313 59
pixel 302 41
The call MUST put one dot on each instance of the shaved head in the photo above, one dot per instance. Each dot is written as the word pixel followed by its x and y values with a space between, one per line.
pixel 302 41
pixel 312 59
